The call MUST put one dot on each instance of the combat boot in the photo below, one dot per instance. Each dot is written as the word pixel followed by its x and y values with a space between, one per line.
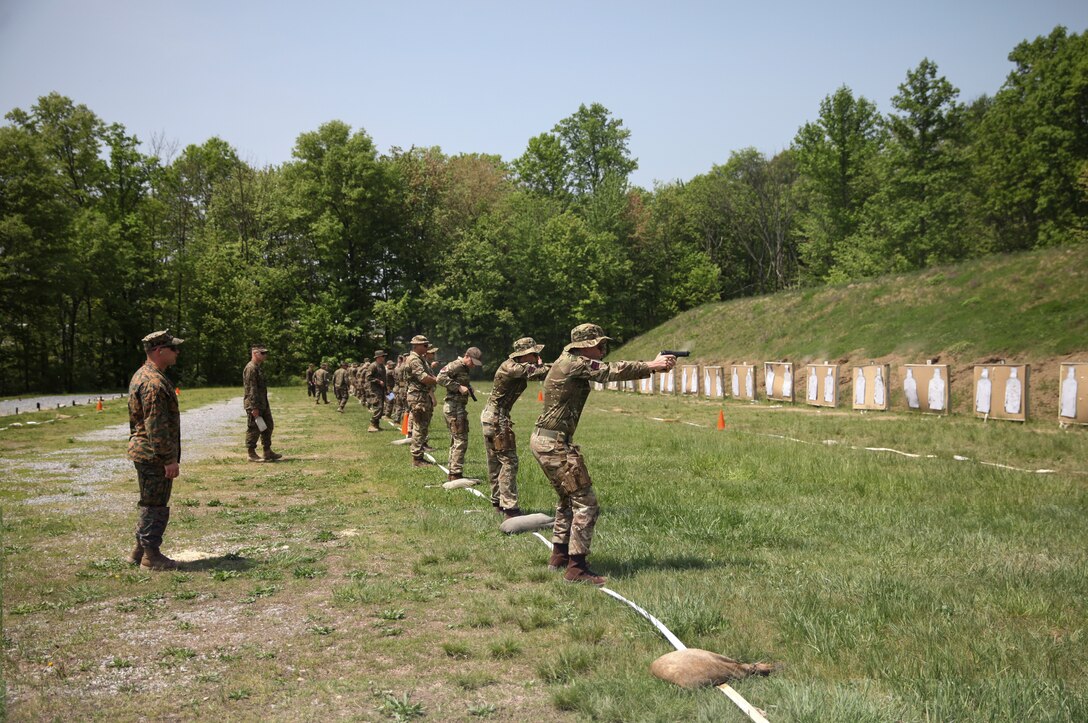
pixel 373 428
pixel 498 510
pixel 155 560
pixel 270 456
pixel 512 512
pixel 560 557
pixel 578 571
pixel 252 452
pixel 453 475
pixel 136 555
pixel 421 463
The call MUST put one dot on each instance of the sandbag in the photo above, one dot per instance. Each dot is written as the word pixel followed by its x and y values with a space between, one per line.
pixel 402 440
pixel 695 668
pixel 526 523
pixel 456 484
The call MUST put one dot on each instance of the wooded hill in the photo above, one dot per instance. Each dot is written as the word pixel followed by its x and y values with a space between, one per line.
pixel 1028 308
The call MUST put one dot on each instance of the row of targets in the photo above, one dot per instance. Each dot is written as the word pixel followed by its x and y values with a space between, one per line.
pixel 1000 390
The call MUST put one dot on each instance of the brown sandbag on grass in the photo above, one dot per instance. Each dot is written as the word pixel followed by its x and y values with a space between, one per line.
pixel 526 523
pixel 459 483
pixel 402 440
pixel 695 668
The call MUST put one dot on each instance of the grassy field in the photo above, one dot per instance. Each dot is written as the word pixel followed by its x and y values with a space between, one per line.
pixel 1027 308
pixel 344 584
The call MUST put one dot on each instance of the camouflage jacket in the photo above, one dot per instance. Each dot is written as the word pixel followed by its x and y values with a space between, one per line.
pixel 341 379
pixel 511 379
pixel 375 378
pixel 256 390
pixel 566 387
pixel 321 377
pixel 453 376
pixel 416 370
pixel 154 422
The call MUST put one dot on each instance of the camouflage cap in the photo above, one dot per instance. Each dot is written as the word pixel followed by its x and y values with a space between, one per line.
pixel 419 339
pixel 259 347
pixel 160 338
pixel 432 349
pixel 584 336
pixel 475 353
pixel 526 345
pixel 379 352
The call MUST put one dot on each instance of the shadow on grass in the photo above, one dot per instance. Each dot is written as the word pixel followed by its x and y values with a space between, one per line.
pixel 219 562
pixel 633 566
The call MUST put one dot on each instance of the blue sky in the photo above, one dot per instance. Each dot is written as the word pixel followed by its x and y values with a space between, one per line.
pixel 692 81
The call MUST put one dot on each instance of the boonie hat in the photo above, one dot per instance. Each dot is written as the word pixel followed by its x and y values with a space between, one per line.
pixel 160 338
pixel 526 345
pixel 584 336
pixel 419 339
pixel 378 353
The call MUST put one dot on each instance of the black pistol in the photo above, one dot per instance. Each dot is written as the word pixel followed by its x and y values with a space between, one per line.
pixel 676 353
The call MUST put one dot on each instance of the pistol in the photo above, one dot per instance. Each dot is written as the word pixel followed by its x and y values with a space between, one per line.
pixel 676 353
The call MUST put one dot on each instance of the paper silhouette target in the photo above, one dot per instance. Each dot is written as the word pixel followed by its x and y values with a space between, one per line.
pixel 870 387
pixel 1073 393
pixel 742 381
pixel 1001 391
pixel 712 383
pixel 822 385
pixel 778 381
pixel 689 379
pixel 926 388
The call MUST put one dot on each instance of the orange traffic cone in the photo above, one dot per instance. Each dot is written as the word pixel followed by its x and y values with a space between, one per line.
pixel 404 424
pixel 98 407
pixel 540 396
pixel 721 419
pixel 177 391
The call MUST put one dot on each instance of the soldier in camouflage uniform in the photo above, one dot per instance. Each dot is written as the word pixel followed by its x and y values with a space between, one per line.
pixel 341 381
pixel 455 378
pixel 310 381
pixel 420 396
pixel 566 389
pixel 154 446
pixel 400 403
pixel 391 392
pixel 256 405
pixel 375 379
pixel 511 379
pixel 321 384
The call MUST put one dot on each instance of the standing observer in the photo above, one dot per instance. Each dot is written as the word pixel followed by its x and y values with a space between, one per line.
pixel 511 379
pixel 420 396
pixel 376 380
pixel 255 401
pixel 154 446
pixel 566 389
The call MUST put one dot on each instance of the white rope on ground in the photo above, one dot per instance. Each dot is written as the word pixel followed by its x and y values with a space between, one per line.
pixel 747 708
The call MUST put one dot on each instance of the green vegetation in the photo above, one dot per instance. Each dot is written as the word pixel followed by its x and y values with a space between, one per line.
pixel 886 587
pixel 344 248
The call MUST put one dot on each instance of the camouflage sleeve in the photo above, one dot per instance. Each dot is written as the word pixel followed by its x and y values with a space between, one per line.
pixel 249 384
pixel 159 424
pixel 534 371
pixel 446 378
pixel 603 372
pixel 417 371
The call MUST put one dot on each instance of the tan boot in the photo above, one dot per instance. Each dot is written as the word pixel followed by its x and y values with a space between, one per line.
pixel 421 463
pixel 560 557
pixel 253 455
pixel 155 560
pixel 136 555
pixel 270 456
pixel 373 428
pixel 578 571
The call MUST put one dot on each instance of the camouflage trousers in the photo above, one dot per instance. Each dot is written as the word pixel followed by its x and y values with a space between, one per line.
pixel 154 487
pixel 500 446
pixel 341 398
pixel 457 422
pixel 377 407
pixel 321 393
pixel 253 433
pixel 421 425
pixel 576 511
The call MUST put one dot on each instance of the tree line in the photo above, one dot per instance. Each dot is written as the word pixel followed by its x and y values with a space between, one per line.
pixel 343 248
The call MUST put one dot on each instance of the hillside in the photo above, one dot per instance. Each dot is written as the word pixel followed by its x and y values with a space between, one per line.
pixel 1026 308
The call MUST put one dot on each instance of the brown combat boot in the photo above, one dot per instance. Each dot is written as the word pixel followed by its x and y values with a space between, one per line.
pixel 498 509
pixel 560 557
pixel 136 555
pixel 421 463
pixel 512 512
pixel 270 456
pixel 578 571
pixel 155 560
pixel 252 452
pixel 453 475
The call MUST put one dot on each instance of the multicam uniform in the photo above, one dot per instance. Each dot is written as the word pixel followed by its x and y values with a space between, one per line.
pixel 566 389
pixel 154 441
pixel 453 376
pixel 341 381
pixel 321 385
pixel 420 401
pixel 376 381
pixel 400 374
pixel 256 397
pixel 511 379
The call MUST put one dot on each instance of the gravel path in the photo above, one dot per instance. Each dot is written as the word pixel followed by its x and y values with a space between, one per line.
pixel 55 401
pixel 204 431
